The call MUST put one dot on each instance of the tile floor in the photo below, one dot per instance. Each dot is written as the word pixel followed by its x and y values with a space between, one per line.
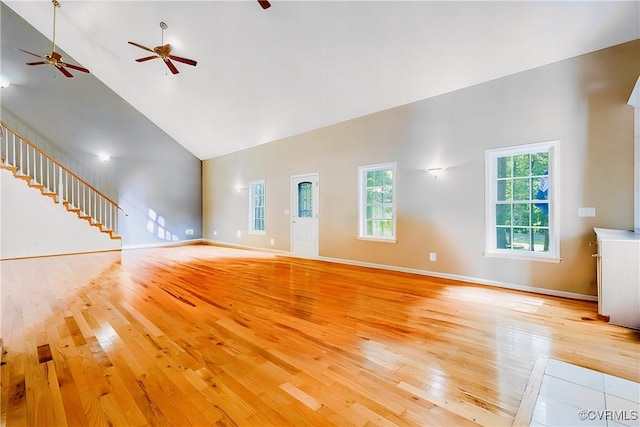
pixel 574 396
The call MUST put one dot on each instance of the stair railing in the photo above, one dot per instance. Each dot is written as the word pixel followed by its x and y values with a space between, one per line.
pixel 42 171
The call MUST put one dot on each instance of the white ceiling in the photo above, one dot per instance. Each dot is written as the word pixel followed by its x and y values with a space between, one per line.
pixel 263 75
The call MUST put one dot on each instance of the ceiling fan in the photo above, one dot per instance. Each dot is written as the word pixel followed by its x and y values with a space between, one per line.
pixel 265 4
pixel 54 58
pixel 164 52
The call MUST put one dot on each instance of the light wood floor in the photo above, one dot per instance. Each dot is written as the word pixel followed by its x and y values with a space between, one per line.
pixel 203 335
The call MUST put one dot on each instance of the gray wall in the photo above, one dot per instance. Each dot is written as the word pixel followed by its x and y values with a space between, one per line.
pixel 73 119
pixel 150 171
pixel 582 102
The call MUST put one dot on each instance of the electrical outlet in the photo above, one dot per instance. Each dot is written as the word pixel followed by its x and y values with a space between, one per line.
pixel 215 232
pixel 239 234
pixel 272 242
pixel 433 256
pixel 189 231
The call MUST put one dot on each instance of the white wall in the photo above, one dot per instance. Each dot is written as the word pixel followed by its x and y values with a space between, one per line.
pixel 33 225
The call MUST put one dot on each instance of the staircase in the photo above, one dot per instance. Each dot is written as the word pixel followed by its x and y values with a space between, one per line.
pixel 40 171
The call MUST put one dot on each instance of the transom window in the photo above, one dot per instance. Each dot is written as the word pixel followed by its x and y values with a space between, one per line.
pixel 520 207
pixel 377 218
pixel 257 207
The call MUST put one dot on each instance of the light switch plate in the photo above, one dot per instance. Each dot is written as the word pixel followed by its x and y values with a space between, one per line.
pixel 586 212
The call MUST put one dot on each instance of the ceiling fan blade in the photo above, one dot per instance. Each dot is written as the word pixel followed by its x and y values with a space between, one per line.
pixel 172 67
pixel 183 60
pixel 30 53
pixel 265 4
pixel 64 71
pixel 141 47
pixel 36 63
pixel 146 58
pixel 74 67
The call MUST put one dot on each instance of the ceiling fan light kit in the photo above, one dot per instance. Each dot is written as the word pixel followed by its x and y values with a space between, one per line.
pixel 164 52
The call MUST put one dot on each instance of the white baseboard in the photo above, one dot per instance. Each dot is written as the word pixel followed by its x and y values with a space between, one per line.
pixel 474 280
pixel 163 244
pixel 249 248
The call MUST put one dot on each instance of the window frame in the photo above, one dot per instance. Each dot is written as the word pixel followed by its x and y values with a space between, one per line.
pixel 362 201
pixel 491 190
pixel 252 206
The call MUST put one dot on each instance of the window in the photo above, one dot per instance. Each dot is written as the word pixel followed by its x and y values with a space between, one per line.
pixel 305 199
pixel 377 204
pixel 520 204
pixel 256 207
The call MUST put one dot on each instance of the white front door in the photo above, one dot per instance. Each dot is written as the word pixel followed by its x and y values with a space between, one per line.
pixel 304 215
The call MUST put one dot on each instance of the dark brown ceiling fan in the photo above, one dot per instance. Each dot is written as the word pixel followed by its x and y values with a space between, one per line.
pixel 164 52
pixel 54 58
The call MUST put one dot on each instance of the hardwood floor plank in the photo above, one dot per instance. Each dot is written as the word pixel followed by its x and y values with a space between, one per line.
pixel 69 394
pixel 205 335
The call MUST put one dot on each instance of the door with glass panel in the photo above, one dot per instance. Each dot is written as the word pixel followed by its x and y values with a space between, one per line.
pixel 304 215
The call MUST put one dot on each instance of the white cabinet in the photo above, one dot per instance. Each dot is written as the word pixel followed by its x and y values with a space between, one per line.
pixel 619 276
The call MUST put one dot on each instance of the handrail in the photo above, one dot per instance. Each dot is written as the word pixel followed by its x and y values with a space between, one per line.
pixel 4 125
pixel 53 179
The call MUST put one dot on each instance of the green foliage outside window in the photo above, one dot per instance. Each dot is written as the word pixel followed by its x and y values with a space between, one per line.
pixel 379 203
pixel 522 217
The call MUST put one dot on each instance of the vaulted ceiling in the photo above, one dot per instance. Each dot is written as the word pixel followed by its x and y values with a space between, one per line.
pixel 263 75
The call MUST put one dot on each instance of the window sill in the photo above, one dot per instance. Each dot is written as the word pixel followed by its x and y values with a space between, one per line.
pixel 523 257
pixel 376 239
pixel 260 233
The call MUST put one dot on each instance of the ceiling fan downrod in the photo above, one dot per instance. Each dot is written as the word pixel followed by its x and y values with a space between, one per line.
pixel 164 27
pixel 56 4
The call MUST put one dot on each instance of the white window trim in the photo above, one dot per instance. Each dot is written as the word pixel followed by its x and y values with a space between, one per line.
pixel 251 229
pixel 491 155
pixel 362 194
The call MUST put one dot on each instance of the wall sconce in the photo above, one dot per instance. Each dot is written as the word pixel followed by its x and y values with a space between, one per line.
pixel 104 157
pixel 4 83
pixel 239 187
pixel 435 172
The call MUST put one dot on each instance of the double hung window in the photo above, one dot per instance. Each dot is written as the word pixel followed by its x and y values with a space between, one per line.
pixel 257 207
pixel 521 208
pixel 377 202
